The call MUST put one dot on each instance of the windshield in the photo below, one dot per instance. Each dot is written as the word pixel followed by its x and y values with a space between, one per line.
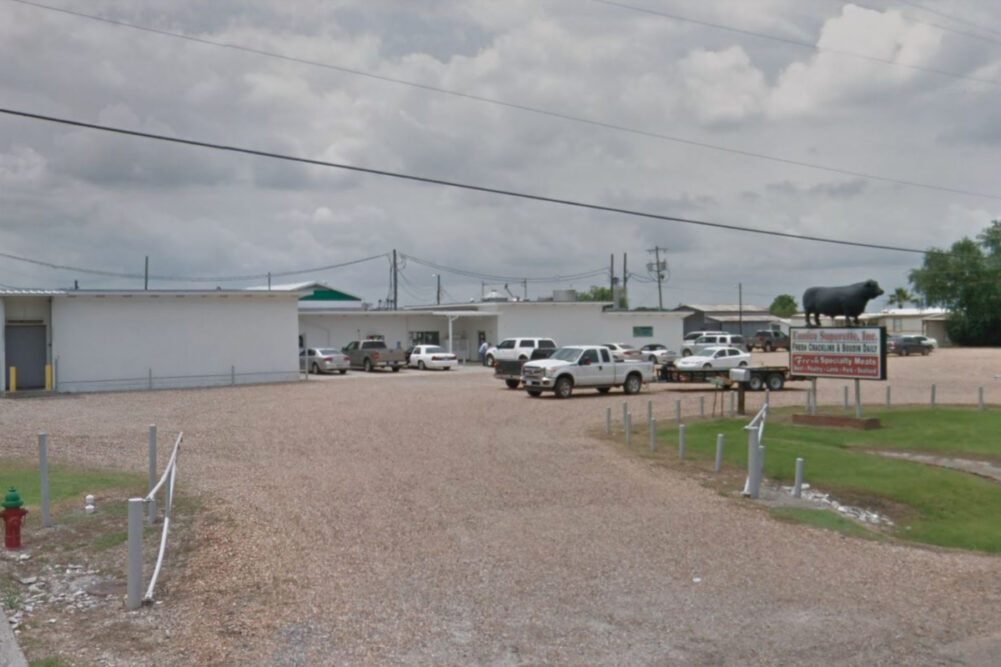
pixel 566 354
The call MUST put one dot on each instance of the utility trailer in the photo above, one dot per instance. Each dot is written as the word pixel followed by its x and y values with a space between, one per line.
pixel 757 378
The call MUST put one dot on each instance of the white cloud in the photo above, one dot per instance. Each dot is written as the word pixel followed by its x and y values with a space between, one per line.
pixel 722 85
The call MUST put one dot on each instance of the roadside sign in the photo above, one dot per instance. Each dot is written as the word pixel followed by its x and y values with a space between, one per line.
pixel 838 352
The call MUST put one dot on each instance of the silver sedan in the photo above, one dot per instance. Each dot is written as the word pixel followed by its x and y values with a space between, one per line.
pixel 326 360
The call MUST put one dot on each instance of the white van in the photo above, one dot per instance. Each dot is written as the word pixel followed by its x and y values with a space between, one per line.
pixel 712 339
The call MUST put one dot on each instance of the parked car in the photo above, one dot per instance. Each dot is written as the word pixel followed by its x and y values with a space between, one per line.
pixel 692 336
pixel 928 340
pixel 713 340
pixel 324 360
pixel 769 340
pixel 623 351
pixel 517 348
pixel 431 356
pixel 714 357
pixel 371 354
pixel 905 345
pixel 657 353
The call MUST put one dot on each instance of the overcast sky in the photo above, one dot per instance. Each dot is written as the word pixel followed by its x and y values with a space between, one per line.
pixel 652 112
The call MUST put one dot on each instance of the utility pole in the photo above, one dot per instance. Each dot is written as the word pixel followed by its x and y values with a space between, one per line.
pixel 659 268
pixel 524 284
pixel 146 279
pixel 395 278
pixel 611 279
pixel 438 297
pixel 740 307
pixel 625 281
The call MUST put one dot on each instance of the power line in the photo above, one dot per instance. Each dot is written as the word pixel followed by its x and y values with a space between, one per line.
pixel 947 16
pixel 964 33
pixel 794 42
pixel 522 107
pixel 454 184
pixel 187 279
pixel 508 279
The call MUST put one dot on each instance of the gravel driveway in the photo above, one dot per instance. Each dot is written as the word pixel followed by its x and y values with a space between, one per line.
pixel 440 518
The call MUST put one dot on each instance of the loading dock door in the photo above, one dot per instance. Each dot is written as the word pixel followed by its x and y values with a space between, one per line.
pixel 24 347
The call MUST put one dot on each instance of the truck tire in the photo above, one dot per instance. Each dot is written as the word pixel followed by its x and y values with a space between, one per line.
pixel 564 387
pixel 633 384
pixel 367 365
pixel 534 393
pixel 512 384
pixel 343 372
pixel 767 347
pixel 776 381
pixel 686 353
pixel 396 369
pixel 755 383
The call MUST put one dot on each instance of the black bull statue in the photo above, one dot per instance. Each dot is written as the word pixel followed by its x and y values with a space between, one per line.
pixel 848 301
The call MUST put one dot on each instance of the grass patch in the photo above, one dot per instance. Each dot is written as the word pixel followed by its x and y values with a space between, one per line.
pixel 824 519
pixel 50 662
pixel 110 540
pixel 928 504
pixel 66 483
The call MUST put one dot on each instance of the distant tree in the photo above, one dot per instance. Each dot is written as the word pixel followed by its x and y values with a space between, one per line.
pixel 900 297
pixel 966 279
pixel 596 294
pixel 784 305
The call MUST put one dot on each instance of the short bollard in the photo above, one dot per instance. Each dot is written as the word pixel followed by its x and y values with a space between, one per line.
pixel 719 452
pixel 608 421
pixel 933 396
pixel 629 429
pixel 702 406
pixel 649 409
pixel 888 401
pixel 653 435
pixel 43 465
pixel 625 411
pixel 980 397
pixel 768 393
pixel 797 489
pixel 677 410
pixel 681 441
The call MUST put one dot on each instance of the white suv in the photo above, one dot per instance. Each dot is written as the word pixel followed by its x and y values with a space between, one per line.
pixel 712 339
pixel 517 349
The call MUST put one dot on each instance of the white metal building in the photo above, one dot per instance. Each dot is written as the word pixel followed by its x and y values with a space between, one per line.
pixel 109 340
pixel 462 327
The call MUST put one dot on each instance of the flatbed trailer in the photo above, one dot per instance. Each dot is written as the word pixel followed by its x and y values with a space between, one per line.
pixel 772 377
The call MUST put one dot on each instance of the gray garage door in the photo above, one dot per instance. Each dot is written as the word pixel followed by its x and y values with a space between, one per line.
pixel 25 348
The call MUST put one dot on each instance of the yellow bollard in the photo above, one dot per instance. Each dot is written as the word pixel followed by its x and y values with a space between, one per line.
pixel 13 379
pixel 48 377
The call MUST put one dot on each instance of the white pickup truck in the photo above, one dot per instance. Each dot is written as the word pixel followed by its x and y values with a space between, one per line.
pixel 580 366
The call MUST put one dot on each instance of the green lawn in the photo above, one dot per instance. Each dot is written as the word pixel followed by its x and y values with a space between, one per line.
pixel 928 504
pixel 65 483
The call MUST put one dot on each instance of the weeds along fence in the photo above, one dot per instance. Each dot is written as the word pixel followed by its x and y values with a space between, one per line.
pixel 135 596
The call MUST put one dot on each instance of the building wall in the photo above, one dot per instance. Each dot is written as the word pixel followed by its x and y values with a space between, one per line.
pixel 578 323
pixel 116 342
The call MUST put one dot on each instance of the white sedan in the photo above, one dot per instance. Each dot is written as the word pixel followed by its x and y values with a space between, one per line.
pixel 623 351
pixel 714 357
pixel 432 356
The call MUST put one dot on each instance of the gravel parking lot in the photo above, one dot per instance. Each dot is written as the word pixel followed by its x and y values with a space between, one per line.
pixel 440 518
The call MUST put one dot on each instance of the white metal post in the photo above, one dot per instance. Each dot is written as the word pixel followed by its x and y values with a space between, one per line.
pixel 135 560
pixel 152 471
pixel 629 430
pixel 625 412
pixel 653 435
pixel 43 464
pixel 752 463
pixel 719 452
pixel 858 399
pixel 649 409
pixel 681 441
pixel 608 421
pixel 797 489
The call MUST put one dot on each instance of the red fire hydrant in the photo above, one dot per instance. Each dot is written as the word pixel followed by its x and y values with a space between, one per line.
pixel 12 516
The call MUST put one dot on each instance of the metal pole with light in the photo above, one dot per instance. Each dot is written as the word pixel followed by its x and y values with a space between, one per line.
pixel 438 290
pixel 740 308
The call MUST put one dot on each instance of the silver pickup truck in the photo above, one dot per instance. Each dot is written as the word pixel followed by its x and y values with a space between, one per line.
pixel 584 366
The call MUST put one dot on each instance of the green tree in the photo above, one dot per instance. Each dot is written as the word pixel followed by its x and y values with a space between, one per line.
pixel 596 294
pixel 784 305
pixel 966 279
pixel 900 297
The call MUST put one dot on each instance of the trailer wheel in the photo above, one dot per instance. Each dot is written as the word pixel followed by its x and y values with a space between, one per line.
pixel 776 381
pixel 755 383
pixel 564 387
pixel 512 384
pixel 632 384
